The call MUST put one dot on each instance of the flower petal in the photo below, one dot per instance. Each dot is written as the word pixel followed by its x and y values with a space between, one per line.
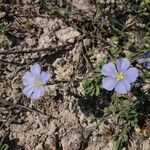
pixel 148 54
pixel 44 77
pixel 28 78
pixel 109 69
pixel 146 65
pixel 38 92
pixel 131 74
pixel 109 83
pixel 35 69
pixel 141 60
pixel 123 64
pixel 123 86
pixel 28 91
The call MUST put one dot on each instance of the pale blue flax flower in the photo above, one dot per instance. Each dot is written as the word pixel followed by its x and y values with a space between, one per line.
pixel 145 60
pixel 119 76
pixel 34 81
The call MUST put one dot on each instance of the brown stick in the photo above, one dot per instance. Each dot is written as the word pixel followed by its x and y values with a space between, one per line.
pixel 51 49
pixel 69 81
pixel 25 108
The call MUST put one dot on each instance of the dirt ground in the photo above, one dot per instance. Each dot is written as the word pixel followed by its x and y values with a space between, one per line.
pixel 62 119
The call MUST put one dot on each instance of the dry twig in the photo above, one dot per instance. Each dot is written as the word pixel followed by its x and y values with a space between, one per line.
pixel 24 107
pixel 51 49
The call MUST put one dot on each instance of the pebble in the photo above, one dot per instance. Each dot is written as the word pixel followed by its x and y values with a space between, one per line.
pixel 2 14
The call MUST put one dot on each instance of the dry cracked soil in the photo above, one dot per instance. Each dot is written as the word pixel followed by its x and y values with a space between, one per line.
pixel 61 119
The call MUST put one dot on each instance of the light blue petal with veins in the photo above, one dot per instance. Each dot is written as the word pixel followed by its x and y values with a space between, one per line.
pixel 109 69
pixel 27 79
pixel 122 87
pixel 35 69
pixel 109 83
pixel 38 92
pixel 44 77
pixel 131 74
pixel 123 64
pixel 28 90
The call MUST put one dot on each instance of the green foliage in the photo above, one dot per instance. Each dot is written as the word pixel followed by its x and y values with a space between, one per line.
pixel 117 143
pixel 145 3
pixel 123 109
pixel 51 7
pixel 3 146
pixel 3 29
pixel 92 87
pixel 130 115
pixel 114 52
pixel 59 12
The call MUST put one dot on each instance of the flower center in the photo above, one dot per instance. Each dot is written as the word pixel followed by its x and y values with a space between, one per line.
pixel 148 59
pixel 38 82
pixel 119 76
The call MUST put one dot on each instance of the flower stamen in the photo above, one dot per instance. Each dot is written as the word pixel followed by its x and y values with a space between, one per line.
pixel 119 76
pixel 38 82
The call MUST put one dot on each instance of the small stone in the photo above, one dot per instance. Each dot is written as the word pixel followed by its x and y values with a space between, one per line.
pixel 44 41
pixel 50 144
pixel 83 5
pixel 2 14
pixel 86 42
pixel 31 41
pixel 72 142
pixel 35 125
pixel 39 146
pixel 145 145
pixel 67 34
pixel 43 137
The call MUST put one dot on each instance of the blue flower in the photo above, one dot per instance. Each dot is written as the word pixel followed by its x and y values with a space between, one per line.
pixel 120 76
pixel 145 60
pixel 34 81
